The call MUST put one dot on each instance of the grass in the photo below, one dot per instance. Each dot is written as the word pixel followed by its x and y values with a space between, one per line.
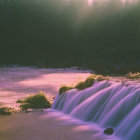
pixel 35 101
pixel 25 106
pixel 85 84
pixel 90 81
pixel 7 110
pixel 20 101
pixel 133 75
pixel 64 89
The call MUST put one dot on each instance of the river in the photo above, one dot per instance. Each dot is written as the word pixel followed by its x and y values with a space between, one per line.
pixel 18 82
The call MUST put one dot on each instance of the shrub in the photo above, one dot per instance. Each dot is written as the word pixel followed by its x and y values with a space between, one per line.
pixel 25 106
pixel 85 84
pixel 98 77
pixel 20 101
pixel 101 78
pixel 90 81
pixel 7 110
pixel 36 101
pixel 133 75
pixel 64 89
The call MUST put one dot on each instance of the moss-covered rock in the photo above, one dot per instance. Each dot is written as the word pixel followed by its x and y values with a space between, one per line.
pixel 35 101
pixel 4 110
pixel 64 89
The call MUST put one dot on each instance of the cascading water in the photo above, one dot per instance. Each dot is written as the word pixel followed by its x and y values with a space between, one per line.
pixel 107 103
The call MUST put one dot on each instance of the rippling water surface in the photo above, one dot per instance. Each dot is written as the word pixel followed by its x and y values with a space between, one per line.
pixel 17 82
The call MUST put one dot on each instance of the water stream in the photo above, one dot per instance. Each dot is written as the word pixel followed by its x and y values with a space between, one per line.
pixel 107 103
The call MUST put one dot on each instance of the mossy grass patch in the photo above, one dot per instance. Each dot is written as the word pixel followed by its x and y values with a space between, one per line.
pixel 5 110
pixel 35 101
pixel 131 75
pixel 84 84
pixel 64 89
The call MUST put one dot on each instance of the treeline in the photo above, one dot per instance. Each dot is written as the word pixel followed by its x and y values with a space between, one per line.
pixel 58 33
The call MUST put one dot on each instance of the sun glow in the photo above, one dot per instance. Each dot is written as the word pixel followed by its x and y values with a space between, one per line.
pixel 90 2
pixel 124 1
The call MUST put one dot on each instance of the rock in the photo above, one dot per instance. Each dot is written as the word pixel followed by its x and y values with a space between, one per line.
pixel 109 131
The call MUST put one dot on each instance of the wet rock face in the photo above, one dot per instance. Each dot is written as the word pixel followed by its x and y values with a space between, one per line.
pixel 109 131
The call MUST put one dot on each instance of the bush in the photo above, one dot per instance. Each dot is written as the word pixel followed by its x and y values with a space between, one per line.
pixel 90 81
pixel 82 85
pixel 85 84
pixel 36 101
pixel 101 78
pixel 7 110
pixel 25 106
pixel 64 89
pixel 133 75
pixel 98 77
pixel 20 101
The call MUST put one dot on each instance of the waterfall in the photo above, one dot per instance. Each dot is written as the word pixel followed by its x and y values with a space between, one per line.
pixel 107 103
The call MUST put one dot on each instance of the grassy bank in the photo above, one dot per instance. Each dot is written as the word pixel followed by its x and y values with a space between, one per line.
pixel 84 84
pixel 94 77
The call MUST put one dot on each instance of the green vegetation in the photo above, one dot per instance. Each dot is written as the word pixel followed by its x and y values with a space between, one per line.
pixel 36 101
pixel 98 77
pixel 20 101
pixel 4 110
pixel 90 81
pixel 64 89
pixel 133 75
pixel 25 106
pixel 85 84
